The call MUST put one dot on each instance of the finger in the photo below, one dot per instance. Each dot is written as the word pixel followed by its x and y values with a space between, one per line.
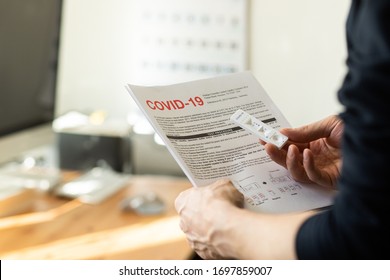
pixel 205 252
pixel 313 173
pixel 313 131
pixel 209 254
pixel 295 166
pixel 227 190
pixel 278 156
pixel 181 200
pixel 285 147
pixel 183 226
pixel 221 182
pixel 236 197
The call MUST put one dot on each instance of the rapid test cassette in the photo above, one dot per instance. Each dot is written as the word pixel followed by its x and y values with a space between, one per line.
pixel 259 128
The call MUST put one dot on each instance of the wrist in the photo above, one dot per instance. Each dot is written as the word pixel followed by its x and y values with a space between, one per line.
pixel 224 234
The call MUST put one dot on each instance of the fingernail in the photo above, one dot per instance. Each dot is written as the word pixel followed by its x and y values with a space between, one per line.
pixel 290 152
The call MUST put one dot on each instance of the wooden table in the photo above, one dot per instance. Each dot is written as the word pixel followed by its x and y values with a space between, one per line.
pixel 56 228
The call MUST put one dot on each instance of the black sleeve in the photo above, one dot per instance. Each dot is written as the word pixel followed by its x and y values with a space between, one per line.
pixel 357 225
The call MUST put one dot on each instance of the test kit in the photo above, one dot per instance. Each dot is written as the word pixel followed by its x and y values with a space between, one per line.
pixel 259 128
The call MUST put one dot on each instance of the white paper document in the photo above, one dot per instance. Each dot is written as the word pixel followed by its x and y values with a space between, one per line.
pixel 193 119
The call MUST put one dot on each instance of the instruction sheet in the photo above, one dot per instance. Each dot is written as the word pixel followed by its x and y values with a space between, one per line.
pixel 193 120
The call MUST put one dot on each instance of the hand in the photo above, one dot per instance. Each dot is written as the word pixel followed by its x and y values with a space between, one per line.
pixel 203 212
pixel 312 153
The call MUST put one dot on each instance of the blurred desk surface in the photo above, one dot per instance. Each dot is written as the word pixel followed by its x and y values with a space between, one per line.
pixel 56 228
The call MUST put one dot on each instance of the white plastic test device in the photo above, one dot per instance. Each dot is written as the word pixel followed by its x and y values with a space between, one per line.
pixel 259 128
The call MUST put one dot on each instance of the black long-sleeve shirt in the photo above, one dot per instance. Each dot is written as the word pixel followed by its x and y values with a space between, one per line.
pixel 357 225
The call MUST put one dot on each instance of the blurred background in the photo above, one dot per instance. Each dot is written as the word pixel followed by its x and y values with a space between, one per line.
pixel 295 49
pixel 64 65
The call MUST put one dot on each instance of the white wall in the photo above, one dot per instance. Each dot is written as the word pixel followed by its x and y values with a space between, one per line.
pixel 95 56
pixel 297 52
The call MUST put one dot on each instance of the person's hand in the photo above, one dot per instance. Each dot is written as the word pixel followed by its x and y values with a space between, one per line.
pixel 204 217
pixel 312 153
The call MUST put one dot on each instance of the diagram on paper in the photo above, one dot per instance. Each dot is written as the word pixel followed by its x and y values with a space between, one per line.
pixel 278 185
